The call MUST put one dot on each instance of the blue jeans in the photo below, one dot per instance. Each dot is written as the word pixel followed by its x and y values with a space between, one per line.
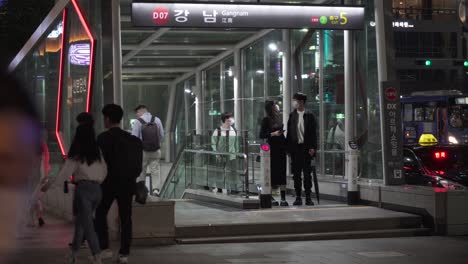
pixel 87 198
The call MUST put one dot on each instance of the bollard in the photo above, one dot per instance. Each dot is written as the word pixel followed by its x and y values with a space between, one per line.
pixel 265 192
pixel 352 173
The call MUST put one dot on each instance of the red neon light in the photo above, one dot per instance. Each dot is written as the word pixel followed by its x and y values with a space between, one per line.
pixel 91 63
pixel 60 85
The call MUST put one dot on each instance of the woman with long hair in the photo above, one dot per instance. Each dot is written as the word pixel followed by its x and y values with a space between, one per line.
pixel 86 164
pixel 273 131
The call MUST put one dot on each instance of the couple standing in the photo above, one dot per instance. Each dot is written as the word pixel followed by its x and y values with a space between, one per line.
pixel 104 169
pixel 301 143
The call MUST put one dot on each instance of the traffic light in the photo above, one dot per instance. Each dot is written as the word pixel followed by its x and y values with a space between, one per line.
pixel 426 63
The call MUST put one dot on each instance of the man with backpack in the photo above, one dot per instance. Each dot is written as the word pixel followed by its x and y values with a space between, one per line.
pixel 123 154
pixel 225 139
pixel 150 130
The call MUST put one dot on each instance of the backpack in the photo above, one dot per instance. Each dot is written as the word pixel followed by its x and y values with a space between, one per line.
pixel 150 135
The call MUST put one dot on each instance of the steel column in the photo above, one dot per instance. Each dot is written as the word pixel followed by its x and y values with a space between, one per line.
pixel 117 53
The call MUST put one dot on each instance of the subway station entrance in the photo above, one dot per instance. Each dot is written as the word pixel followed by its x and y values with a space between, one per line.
pixel 191 62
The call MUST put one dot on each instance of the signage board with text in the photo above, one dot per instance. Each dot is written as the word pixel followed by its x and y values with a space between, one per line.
pixel 226 15
pixel 391 108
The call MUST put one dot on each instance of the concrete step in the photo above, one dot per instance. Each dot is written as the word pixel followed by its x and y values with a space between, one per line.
pixel 385 233
pixel 297 227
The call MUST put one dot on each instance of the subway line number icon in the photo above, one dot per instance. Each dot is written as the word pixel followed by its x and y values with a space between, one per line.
pixel 160 16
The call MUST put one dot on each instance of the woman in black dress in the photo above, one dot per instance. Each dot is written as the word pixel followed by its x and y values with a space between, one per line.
pixel 272 130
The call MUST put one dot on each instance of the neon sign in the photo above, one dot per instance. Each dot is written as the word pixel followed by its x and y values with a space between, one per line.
pixel 80 54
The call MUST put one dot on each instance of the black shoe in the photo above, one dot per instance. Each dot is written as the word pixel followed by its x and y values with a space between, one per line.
pixel 41 222
pixel 274 202
pixel 309 201
pixel 298 201
pixel 284 203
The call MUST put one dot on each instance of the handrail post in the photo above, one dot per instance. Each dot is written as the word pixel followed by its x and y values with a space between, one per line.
pixel 246 162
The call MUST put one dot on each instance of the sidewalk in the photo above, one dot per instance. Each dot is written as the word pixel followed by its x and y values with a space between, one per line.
pixel 49 245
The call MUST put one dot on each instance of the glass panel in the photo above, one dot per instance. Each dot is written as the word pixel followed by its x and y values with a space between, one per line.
pixel 254 70
pixel 212 98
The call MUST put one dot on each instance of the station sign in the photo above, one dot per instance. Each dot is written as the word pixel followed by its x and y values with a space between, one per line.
pixel 202 15
pixel 393 146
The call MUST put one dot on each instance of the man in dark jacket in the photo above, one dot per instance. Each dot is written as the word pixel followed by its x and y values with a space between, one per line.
pixel 302 144
pixel 123 154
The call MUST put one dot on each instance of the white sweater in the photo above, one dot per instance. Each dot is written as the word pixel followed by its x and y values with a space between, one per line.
pixel 82 171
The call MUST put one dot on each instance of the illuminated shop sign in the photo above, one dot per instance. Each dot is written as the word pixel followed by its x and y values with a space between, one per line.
pixel 402 24
pixel 246 16
pixel 79 54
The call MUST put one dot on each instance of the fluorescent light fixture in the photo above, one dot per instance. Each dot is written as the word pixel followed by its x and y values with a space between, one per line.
pixel 304 30
pixel 305 76
pixel 54 34
pixel 260 71
pixel 280 53
pixel 188 91
pixel 313 47
pixel 273 46
pixel 372 23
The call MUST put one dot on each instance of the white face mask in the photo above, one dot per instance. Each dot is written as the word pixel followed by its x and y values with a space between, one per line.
pixel 277 108
pixel 295 104
pixel 232 121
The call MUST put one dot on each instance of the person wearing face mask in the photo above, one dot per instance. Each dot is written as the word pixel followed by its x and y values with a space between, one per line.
pixel 224 139
pixel 20 157
pixel 272 131
pixel 302 145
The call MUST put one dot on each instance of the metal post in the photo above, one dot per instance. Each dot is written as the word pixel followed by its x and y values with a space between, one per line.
pixel 266 69
pixel 198 103
pixel 236 71
pixel 245 137
pixel 322 102
pixel 265 195
pixel 187 107
pixel 287 75
pixel 351 154
pixel 222 87
pixel 170 122
pixel 382 67
pixel 117 53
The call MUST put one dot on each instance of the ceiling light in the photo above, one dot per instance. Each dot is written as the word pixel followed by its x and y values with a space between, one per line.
pixel 273 46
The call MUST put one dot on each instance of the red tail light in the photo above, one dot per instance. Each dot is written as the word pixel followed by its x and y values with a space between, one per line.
pixel 440 155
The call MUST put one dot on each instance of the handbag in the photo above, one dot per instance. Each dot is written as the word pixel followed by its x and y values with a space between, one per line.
pixel 141 192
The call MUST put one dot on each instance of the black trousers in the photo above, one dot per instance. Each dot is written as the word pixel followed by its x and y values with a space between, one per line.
pixel 301 164
pixel 124 202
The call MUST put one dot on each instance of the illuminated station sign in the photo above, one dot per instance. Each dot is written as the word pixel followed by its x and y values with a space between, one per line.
pixel 246 16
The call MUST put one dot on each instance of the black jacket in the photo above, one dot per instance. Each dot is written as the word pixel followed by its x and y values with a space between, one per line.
pixel 123 154
pixel 310 130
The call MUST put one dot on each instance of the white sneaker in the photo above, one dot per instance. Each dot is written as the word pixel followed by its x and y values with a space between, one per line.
pixel 107 254
pixel 123 259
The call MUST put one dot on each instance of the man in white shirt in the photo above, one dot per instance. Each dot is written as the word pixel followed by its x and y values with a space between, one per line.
pixel 146 123
pixel 302 144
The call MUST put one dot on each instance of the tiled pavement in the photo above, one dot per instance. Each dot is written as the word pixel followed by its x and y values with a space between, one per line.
pixel 49 245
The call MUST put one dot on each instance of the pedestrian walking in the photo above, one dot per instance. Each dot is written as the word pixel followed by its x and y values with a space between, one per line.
pixel 150 130
pixel 85 162
pixel 123 154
